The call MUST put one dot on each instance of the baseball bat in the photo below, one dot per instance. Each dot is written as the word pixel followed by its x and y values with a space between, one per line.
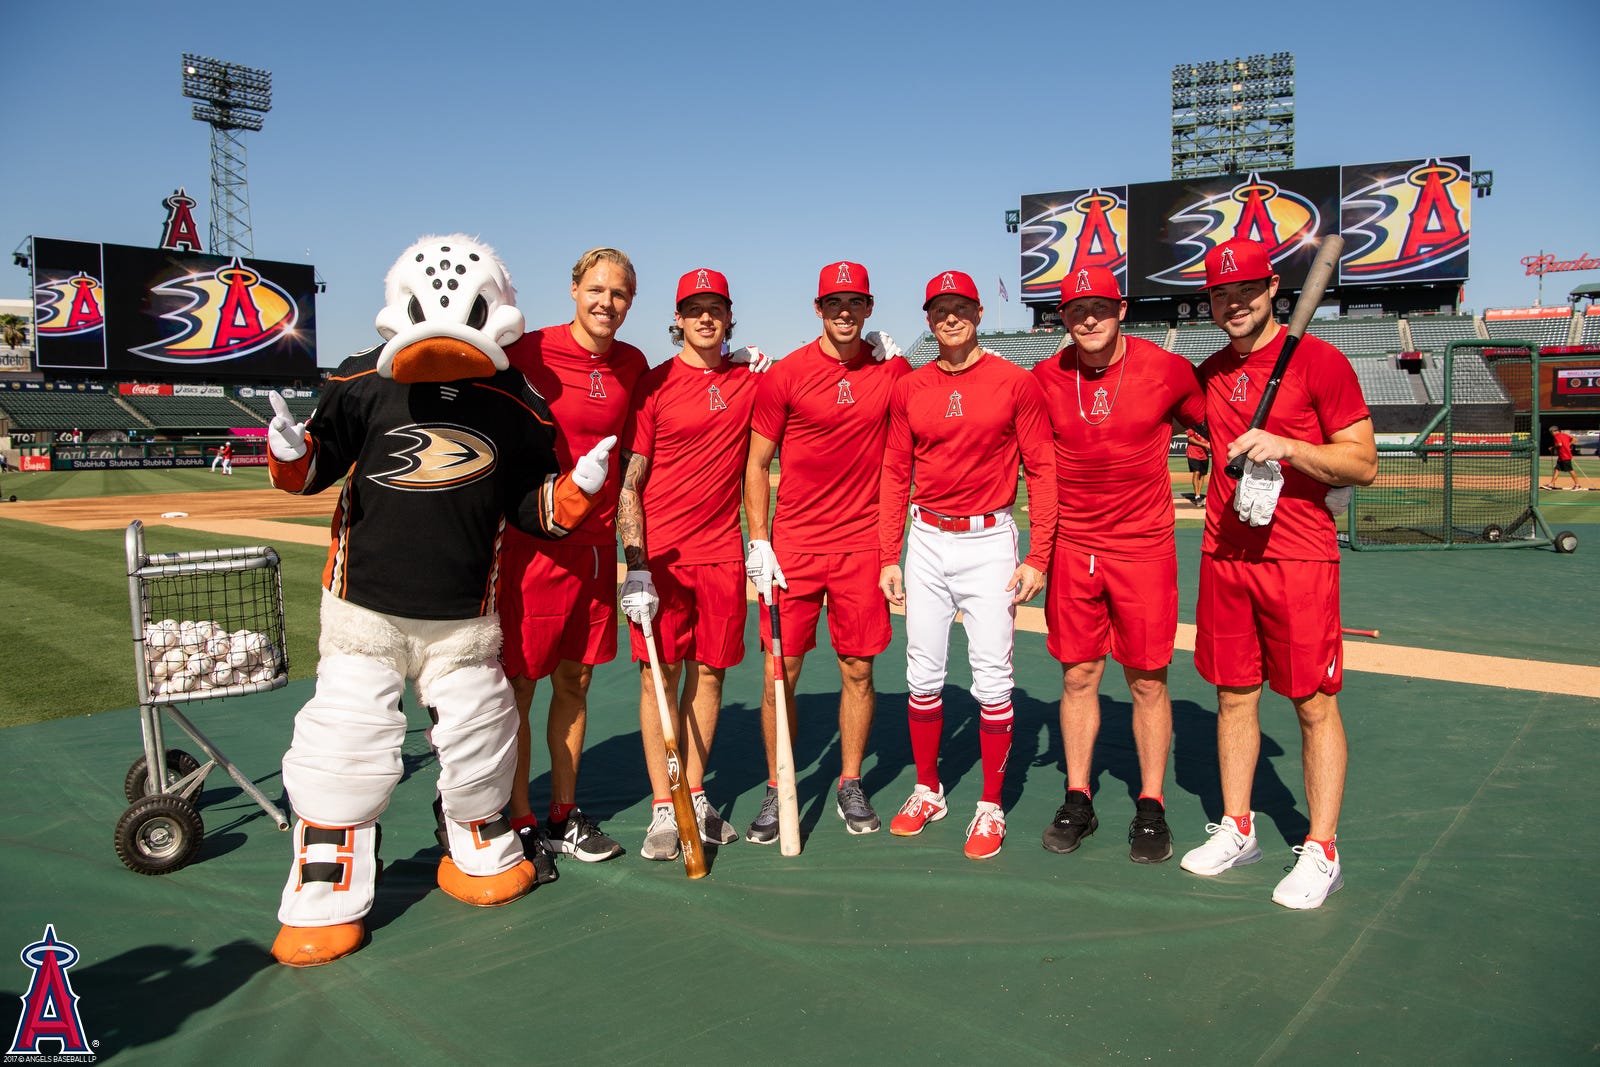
pixel 694 857
pixel 788 801
pixel 1358 633
pixel 1317 280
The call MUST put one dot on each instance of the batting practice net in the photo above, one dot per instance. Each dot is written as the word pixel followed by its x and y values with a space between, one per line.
pixel 1469 476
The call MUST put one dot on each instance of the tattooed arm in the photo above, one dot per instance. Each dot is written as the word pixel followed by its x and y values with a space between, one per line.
pixel 630 510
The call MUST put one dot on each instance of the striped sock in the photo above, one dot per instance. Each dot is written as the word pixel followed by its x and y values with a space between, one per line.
pixel 925 716
pixel 994 740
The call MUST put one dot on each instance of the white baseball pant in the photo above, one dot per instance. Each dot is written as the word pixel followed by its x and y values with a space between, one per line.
pixel 967 571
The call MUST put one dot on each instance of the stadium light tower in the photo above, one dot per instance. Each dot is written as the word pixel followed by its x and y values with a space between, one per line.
pixel 1233 116
pixel 233 99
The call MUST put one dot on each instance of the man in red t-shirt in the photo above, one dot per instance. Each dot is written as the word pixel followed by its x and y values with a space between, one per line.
pixel 1198 455
pixel 558 600
pixel 1269 569
pixel 678 518
pixel 958 429
pixel 826 405
pixel 1563 446
pixel 1114 577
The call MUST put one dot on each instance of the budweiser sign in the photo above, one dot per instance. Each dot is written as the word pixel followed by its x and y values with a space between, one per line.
pixel 1546 264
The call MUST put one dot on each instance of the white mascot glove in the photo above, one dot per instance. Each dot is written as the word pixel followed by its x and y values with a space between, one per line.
pixel 285 437
pixel 639 599
pixel 759 361
pixel 1338 499
pixel 589 473
pixel 883 346
pixel 1257 494
pixel 761 567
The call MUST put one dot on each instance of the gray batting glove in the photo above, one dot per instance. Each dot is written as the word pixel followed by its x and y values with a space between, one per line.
pixel 883 346
pixel 285 436
pixel 1338 498
pixel 589 473
pixel 639 599
pixel 1256 496
pixel 758 360
pixel 761 567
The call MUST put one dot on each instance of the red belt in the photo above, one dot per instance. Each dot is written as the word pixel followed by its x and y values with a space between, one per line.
pixel 957 524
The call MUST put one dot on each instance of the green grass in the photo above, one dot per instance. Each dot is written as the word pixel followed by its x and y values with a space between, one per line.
pixel 69 485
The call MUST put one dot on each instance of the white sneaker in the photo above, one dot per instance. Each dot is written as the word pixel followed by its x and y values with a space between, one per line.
pixel 713 830
pixel 1313 878
pixel 661 840
pixel 1227 847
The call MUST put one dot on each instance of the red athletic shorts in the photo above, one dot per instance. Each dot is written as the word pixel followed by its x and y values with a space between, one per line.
pixel 858 614
pixel 1272 620
pixel 701 617
pixel 557 602
pixel 1096 605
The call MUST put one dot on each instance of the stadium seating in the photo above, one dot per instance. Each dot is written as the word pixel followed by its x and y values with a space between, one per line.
pixel 194 412
pixel 1382 383
pixel 300 407
pixel 1431 333
pixel 1195 341
pixel 1023 349
pixel 1542 332
pixel 38 412
pixel 1475 383
pixel 1154 332
pixel 1362 336
pixel 1591 329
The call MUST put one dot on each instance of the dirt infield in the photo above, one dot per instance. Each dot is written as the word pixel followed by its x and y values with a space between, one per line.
pixel 109 512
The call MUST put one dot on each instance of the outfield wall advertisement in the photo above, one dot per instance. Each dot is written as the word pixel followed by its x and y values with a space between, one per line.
pixel 1404 222
pixel 112 310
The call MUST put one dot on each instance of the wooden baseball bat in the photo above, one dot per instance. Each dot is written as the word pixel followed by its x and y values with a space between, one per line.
pixel 1317 279
pixel 1358 633
pixel 788 802
pixel 694 857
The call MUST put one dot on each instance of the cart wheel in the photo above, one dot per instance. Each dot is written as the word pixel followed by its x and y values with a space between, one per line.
pixel 137 785
pixel 158 834
pixel 1493 534
pixel 1566 542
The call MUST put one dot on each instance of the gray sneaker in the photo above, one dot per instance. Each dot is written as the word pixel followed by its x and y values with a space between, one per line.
pixel 857 813
pixel 713 830
pixel 661 840
pixel 764 831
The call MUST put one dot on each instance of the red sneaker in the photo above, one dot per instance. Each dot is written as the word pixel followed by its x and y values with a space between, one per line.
pixel 987 831
pixel 925 806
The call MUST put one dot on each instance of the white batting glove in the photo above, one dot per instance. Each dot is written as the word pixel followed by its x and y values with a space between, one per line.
pixel 883 346
pixel 589 473
pixel 1338 499
pixel 285 436
pixel 759 361
pixel 1256 496
pixel 761 567
pixel 639 599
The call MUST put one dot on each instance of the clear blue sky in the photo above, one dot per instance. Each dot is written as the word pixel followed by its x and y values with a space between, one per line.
pixel 762 140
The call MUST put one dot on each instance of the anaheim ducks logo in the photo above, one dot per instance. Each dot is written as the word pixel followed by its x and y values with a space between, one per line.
pixel 1412 222
pixel 229 312
pixel 441 456
pixel 1256 208
pixel 1090 230
pixel 69 306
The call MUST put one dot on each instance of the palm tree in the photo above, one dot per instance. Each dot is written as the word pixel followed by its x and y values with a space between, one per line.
pixel 13 331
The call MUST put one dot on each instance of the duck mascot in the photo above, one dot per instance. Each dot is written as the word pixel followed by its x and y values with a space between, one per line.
pixel 439 444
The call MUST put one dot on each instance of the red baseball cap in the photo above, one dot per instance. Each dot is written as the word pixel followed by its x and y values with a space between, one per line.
pixel 700 281
pixel 951 281
pixel 843 277
pixel 1238 260
pixel 1089 281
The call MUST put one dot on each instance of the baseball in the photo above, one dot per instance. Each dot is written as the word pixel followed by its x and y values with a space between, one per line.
pixel 174 659
pixel 263 674
pixel 222 676
pixel 182 682
pixel 200 664
pixel 238 659
pixel 158 668
pixel 219 646
pixel 159 638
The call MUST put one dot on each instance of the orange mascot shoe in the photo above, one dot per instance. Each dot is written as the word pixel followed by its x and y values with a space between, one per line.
pixel 486 890
pixel 312 946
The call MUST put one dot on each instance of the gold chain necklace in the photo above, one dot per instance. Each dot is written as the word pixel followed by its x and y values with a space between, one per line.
pixel 1078 387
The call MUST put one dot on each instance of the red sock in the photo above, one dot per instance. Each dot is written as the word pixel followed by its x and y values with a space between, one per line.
pixel 1327 847
pixel 529 819
pixel 559 812
pixel 693 792
pixel 843 778
pixel 1158 798
pixel 1080 789
pixel 661 802
pixel 994 740
pixel 925 716
pixel 1243 822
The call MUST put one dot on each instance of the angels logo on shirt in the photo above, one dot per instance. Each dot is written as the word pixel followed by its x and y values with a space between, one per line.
pixel 717 403
pixel 954 410
pixel 845 396
pixel 597 387
pixel 1101 405
pixel 1239 385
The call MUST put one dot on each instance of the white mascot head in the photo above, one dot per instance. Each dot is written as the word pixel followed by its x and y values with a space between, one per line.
pixel 449 307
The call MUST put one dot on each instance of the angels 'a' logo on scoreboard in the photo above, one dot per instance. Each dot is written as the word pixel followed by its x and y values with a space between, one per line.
pixel 1281 219
pixel 69 306
pixel 1409 223
pixel 227 313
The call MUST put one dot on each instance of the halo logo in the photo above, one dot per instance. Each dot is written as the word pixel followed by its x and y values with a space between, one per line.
pixel 69 306
pixel 50 1007
pixel 1256 208
pixel 1094 227
pixel 229 312
pixel 1411 222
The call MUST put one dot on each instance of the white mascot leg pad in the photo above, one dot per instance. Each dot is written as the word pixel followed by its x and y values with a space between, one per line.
pixel 345 758
pixel 475 735
pixel 334 876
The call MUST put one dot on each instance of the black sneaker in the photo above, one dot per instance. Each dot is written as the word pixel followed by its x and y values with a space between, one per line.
pixel 1149 840
pixel 1074 821
pixel 537 853
pixel 580 837
pixel 764 831
pixel 855 810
